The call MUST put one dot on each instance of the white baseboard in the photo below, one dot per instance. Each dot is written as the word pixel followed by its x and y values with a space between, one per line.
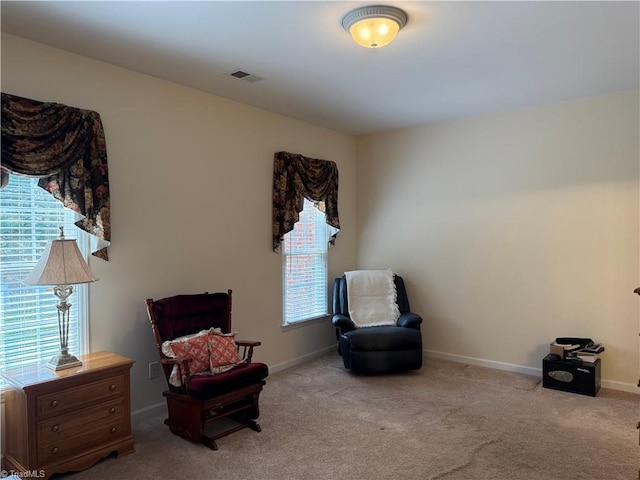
pixel 510 367
pixel 480 362
pixel 148 412
pixel 623 387
pixel 300 360
pixel 158 408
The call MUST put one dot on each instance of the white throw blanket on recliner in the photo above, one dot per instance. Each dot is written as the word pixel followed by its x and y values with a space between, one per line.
pixel 372 298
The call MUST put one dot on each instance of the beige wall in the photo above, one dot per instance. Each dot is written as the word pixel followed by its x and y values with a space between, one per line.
pixel 191 178
pixel 512 229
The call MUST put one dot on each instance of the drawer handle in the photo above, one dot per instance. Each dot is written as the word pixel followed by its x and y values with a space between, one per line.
pixel 112 410
pixel 54 450
pixel 55 428
pixel 112 387
pixel 54 403
pixel 114 429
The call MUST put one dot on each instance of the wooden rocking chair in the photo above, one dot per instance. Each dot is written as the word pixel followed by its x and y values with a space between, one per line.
pixel 196 399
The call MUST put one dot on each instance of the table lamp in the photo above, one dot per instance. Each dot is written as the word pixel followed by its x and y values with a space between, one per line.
pixel 62 266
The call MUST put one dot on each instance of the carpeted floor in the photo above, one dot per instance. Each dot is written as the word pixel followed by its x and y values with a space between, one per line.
pixel 448 421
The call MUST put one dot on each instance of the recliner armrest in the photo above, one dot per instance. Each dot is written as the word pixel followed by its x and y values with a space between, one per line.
pixel 344 323
pixel 409 320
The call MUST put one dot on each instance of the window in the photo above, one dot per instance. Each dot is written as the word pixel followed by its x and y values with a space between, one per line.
pixel 28 315
pixel 304 257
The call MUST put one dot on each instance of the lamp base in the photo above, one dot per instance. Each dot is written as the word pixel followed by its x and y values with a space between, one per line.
pixel 60 362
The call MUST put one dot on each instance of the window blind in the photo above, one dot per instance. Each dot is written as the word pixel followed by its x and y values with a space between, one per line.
pixel 305 267
pixel 29 218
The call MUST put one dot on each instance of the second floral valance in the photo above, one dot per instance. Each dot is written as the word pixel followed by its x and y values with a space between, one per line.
pixel 296 177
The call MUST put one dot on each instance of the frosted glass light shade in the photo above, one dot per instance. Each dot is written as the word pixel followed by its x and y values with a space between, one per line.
pixel 374 26
pixel 375 32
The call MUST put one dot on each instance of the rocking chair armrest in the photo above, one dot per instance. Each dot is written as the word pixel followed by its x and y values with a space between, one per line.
pixel 183 364
pixel 169 361
pixel 248 343
pixel 245 349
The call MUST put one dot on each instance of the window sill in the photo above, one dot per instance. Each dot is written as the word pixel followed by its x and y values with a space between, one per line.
pixel 305 323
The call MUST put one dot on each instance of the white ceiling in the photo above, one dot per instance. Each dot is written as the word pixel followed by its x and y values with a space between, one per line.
pixel 452 60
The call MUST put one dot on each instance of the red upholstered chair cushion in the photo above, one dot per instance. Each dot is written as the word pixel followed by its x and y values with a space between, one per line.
pixel 201 386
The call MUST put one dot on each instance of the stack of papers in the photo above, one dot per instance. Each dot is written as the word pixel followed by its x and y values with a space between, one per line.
pixel 593 348
pixel 586 350
pixel 587 357
pixel 590 353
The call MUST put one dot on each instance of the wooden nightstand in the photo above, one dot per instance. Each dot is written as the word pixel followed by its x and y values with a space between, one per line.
pixel 67 420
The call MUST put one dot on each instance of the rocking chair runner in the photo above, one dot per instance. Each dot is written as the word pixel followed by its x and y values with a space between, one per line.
pixel 195 400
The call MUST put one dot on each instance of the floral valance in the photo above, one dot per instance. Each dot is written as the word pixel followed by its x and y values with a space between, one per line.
pixel 64 147
pixel 295 178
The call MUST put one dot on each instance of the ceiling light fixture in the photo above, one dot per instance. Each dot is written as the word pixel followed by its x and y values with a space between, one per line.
pixel 374 26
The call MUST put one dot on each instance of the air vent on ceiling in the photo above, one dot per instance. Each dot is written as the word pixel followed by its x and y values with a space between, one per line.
pixel 247 77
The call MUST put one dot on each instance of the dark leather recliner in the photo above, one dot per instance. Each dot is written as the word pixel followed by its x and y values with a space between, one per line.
pixel 378 349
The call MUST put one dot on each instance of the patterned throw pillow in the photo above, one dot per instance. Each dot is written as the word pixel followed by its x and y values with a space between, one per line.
pixel 223 353
pixel 194 346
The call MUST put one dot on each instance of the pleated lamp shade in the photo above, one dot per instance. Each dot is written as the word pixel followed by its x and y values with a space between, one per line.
pixel 61 263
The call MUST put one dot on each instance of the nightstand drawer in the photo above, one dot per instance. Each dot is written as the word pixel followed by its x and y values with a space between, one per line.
pixel 74 424
pixel 98 433
pixel 58 402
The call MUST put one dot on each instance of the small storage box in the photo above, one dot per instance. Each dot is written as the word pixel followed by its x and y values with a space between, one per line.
pixel 571 377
